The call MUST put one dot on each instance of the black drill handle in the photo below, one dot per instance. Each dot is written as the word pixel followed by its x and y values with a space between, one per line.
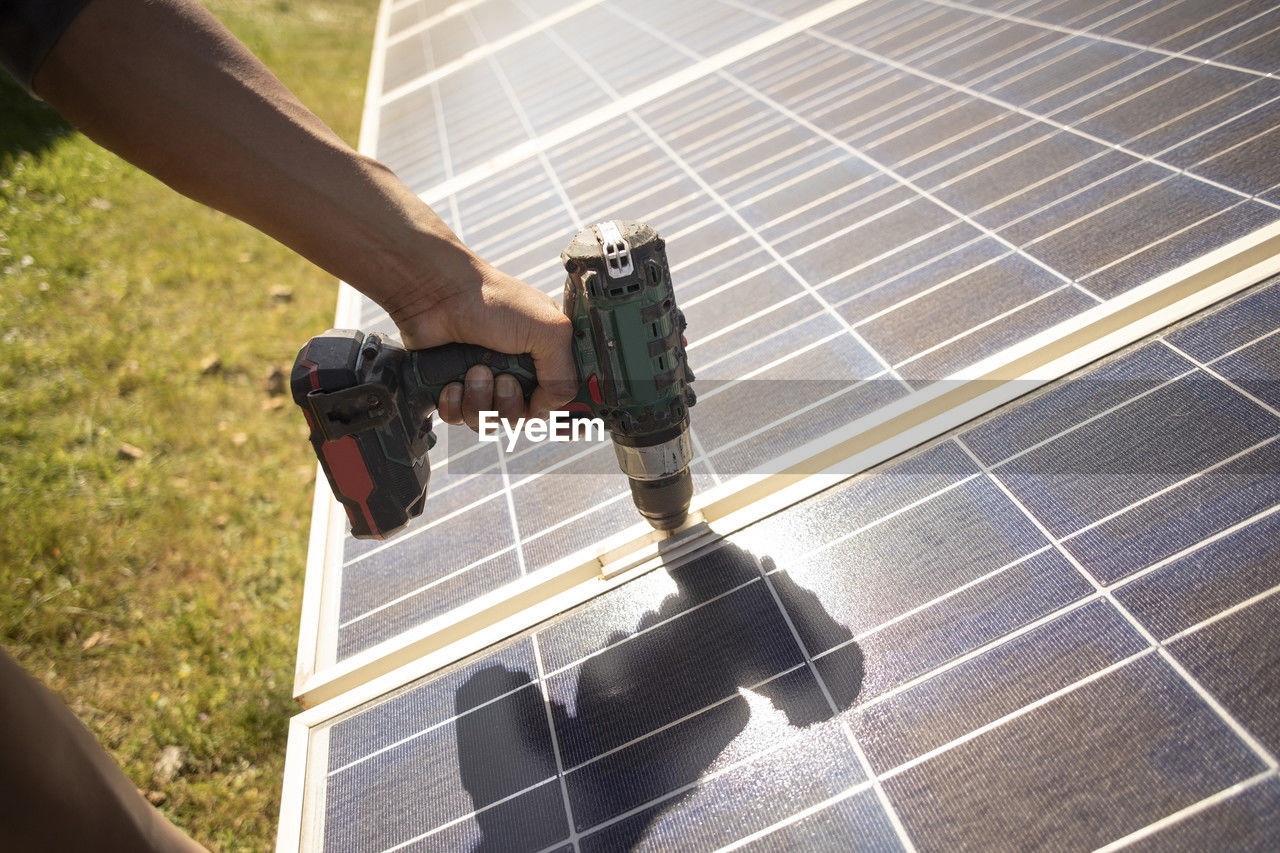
pixel 438 366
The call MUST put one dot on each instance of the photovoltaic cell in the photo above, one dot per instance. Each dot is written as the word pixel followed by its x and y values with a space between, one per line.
pixel 870 205
pixel 903 190
pixel 930 654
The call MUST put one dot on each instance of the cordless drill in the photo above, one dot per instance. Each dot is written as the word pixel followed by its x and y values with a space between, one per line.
pixel 369 402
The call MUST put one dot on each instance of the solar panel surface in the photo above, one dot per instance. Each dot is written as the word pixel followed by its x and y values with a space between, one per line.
pixel 1051 628
pixel 859 198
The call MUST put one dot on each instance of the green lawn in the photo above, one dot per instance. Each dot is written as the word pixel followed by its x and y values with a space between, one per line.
pixel 159 595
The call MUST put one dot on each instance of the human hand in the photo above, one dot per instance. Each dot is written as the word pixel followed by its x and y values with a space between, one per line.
pixel 506 315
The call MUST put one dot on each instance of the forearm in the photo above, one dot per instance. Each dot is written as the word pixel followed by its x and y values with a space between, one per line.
pixel 194 108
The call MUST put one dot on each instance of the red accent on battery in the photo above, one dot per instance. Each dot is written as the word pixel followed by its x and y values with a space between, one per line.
pixel 310 421
pixel 593 385
pixel 351 476
pixel 684 342
pixel 313 369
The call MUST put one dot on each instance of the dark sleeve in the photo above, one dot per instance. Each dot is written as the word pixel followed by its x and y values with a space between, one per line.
pixel 28 31
pixel 59 790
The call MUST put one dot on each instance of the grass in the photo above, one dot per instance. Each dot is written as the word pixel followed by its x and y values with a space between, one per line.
pixel 159 596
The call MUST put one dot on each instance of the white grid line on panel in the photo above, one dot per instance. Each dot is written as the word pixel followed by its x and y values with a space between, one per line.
pixel 976 652
pixel 847 730
pixel 1182 814
pixel 1225 716
pixel 1015 714
pixel 1223 379
pixel 875 164
pixel 1269 34
pixel 805 71
pixel 1070 31
pixel 1244 142
pixel 641 191
pixel 529 131
pixel 700 452
pixel 578 516
pixel 442 133
pixel 1101 592
pixel 557 465
pixel 951 593
pixel 463 818
pixel 664 86
pixel 540 213
pixel 1245 346
pixel 1097 595
pixel 424 588
pixel 667 726
pixel 800 412
pixel 1159 7
pixel 1196 546
pixel 431 728
pixel 1169 488
pixel 710 192
pixel 450 11
pixel 1223 614
pixel 957 31
pixel 977 327
pixel 710 775
pixel 555 742
pixel 529 179
pixel 536 475
pixel 511 512
pixel 796 817
pixel 933 78
pixel 1170 236
pixel 1115 202
pixel 484 50
pixel 649 628
pixel 409 534
pixel 760 127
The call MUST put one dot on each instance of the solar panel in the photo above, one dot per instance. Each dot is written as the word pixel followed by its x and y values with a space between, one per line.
pixel 862 201
pixel 1050 628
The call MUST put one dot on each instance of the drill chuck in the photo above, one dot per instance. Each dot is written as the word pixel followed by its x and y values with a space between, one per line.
pixel 664 503
pixel 657 465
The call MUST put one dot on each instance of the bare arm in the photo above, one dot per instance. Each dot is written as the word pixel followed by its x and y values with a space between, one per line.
pixel 163 84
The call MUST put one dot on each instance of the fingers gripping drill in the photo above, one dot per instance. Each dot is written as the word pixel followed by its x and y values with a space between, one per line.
pixel 369 402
